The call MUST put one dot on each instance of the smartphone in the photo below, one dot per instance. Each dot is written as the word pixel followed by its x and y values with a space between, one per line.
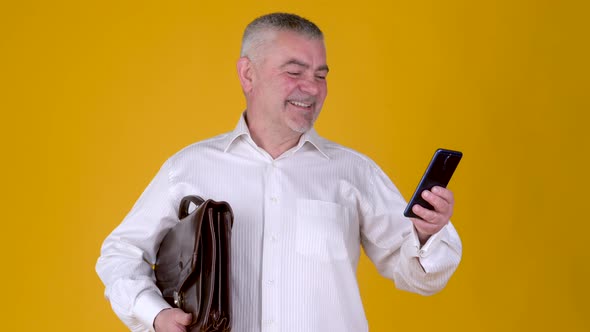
pixel 438 173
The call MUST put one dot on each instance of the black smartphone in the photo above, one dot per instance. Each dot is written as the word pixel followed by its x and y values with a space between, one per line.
pixel 439 172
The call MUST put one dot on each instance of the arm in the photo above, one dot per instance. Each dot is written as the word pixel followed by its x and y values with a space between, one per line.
pixel 128 253
pixel 420 256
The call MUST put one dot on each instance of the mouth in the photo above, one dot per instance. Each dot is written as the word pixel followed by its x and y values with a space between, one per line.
pixel 300 104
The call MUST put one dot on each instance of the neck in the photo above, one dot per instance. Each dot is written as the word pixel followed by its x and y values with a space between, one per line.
pixel 272 140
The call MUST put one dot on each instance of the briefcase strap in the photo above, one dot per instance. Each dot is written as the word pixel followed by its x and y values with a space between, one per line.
pixel 185 203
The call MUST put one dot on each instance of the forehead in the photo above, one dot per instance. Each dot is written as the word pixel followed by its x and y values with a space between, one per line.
pixel 288 45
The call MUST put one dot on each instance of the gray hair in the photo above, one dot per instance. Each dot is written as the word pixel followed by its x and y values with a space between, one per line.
pixel 257 31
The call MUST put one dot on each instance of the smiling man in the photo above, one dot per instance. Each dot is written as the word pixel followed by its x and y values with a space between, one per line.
pixel 283 75
pixel 303 206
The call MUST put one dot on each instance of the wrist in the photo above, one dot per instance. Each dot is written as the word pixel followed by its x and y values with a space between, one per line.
pixel 422 237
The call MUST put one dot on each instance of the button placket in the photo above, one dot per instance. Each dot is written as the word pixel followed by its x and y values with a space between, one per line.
pixel 271 262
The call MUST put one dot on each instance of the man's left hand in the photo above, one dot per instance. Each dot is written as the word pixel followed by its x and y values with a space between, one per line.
pixel 433 221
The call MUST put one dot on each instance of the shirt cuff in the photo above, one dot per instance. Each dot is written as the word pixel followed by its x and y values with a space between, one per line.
pixel 147 306
pixel 432 239
pixel 424 252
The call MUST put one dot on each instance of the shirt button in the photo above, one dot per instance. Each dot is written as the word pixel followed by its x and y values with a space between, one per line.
pixel 267 322
pixel 274 199
pixel 270 282
pixel 274 238
pixel 421 252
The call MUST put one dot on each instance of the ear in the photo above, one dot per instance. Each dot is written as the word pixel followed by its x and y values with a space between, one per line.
pixel 245 73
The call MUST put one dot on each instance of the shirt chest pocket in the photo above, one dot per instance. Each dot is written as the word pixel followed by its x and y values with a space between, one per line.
pixel 323 230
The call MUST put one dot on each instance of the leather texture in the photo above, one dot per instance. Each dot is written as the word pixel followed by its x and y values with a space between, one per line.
pixel 193 264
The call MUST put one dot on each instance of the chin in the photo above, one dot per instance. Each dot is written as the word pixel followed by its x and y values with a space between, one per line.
pixel 300 125
pixel 300 130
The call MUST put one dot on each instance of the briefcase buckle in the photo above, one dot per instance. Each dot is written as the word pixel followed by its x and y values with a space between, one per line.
pixel 178 299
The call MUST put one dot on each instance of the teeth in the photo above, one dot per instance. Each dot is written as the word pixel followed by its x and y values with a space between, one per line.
pixel 300 104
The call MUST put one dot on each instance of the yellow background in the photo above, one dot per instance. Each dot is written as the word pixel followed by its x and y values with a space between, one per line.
pixel 95 95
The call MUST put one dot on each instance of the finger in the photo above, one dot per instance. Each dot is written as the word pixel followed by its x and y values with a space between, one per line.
pixel 425 227
pixel 444 193
pixel 184 318
pixel 177 328
pixel 431 217
pixel 433 222
pixel 439 204
pixel 424 213
pixel 436 201
pixel 180 327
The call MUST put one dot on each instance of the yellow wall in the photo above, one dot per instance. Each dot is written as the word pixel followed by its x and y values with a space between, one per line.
pixel 97 94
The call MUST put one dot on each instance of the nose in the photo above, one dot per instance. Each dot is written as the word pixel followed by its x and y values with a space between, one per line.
pixel 310 86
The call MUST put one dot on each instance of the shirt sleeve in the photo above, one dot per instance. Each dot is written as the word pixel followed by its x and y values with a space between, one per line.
pixel 391 242
pixel 127 255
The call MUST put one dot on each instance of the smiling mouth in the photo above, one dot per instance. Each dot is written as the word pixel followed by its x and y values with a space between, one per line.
pixel 300 104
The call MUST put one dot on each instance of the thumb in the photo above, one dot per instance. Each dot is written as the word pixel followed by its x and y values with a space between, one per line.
pixel 183 318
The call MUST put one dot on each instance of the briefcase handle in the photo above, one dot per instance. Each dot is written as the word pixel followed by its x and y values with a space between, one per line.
pixel 186 202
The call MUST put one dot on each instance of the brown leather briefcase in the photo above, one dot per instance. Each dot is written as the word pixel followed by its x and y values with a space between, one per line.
pixel 193 264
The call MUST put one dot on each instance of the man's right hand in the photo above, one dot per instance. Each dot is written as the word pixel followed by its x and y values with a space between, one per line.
pixel 172 320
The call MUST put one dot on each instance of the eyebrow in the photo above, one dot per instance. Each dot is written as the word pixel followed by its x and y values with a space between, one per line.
pixel 304 65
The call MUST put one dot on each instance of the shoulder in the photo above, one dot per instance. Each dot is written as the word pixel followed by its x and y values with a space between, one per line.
pixel 196 152
pixel 361 168
pixel 210 145
pixel 354 162
pixel 344 154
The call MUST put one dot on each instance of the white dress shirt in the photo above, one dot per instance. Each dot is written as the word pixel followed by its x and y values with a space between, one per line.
pixel 299 221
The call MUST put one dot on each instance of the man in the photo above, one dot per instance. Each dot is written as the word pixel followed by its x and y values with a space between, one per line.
pixel 302 206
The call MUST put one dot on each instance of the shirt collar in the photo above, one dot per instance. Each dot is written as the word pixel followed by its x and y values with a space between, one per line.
pixel 311 136
pixel 317 141
pixel 240 130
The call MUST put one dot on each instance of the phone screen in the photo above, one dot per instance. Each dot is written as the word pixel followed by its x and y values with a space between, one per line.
pixel 438 173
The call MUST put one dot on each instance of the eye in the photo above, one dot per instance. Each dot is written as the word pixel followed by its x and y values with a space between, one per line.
pixel 320 77
pixel 294 73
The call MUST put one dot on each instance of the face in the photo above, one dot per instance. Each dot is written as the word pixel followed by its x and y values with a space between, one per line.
pixel 288 82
